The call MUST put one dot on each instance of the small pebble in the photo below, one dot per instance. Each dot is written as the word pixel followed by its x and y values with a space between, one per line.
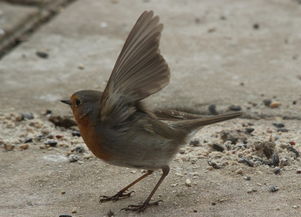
pixel 188 182
pixel 39 138
pixel 211 30
pixel 194 142
pixel 247 178
pixel 213 164
pixel 65 215
pixel 24 146
pixel 256 26
pixel 81 67
pixel 42 54
pixel 292 149
pixel 275 104
pixel 87 156
pixel 249 130
pixel 231 136
pixel 76 133
pixel 51 143
pixel 292 143
pixel 246 162
pixel 59 136
pixel 273 188
pixel 283 130
pixel 275 159
pixel 48 112
pixel 279 125
pixel 45 132
pixel 277 171
pixel 9 147
pixel 79 149
pixel 267 102
pixel 295 206
pixel 73 158
pixel 217 147
pixel 49 136
pixel 234 108
pixel 25 116
pixel 239 171
pixel 182 151
pixel 74 210
pixel 197 20
pixel 284 162
pixel 251 190
pixel 212 109
pixel 298 171
pixel 29 140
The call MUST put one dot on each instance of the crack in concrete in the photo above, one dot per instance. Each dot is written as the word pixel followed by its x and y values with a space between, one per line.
pixel 27 2
pixel 31 25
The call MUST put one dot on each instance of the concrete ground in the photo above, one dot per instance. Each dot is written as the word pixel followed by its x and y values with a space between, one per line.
pixel 226 52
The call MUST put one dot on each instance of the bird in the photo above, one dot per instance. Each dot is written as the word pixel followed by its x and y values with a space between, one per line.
pixel 119 128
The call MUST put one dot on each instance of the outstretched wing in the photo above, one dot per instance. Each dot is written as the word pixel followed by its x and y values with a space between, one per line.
pixel 139 71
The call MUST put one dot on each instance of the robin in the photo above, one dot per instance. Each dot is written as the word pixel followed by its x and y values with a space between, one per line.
pixel 119 129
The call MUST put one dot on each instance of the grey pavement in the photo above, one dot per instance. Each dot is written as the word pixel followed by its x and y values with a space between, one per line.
pixel 221 52
pixel 12 16
pixel 225 52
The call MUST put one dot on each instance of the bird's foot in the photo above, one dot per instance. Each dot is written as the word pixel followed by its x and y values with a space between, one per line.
pixel 141 207
pixel 120 195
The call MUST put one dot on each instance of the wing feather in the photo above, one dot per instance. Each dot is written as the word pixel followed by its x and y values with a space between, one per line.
pixel 139 71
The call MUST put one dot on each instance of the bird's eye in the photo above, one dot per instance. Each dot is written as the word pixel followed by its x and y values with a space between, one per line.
pixel 77 102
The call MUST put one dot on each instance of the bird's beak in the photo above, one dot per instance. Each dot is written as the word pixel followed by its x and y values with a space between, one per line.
pixel 66 101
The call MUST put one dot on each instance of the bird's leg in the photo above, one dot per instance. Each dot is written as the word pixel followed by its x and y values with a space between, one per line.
pixel 147 203
pixel 121 194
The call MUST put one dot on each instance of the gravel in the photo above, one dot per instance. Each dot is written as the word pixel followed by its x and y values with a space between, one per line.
pixel 227 144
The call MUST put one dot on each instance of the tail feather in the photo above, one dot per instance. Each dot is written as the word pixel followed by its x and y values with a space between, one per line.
pixel 169 115
pixel 193 124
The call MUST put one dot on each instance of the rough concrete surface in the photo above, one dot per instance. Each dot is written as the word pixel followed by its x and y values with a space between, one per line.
pixel 211 65
pixel 12 16
pixel 226 52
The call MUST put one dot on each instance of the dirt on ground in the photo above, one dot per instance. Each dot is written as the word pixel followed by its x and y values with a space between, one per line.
pixel 225 170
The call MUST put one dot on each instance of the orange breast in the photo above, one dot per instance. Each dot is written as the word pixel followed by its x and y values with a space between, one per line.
pixel 92 140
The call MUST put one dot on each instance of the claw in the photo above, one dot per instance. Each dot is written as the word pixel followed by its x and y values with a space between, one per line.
pixel 120 195
pixel 141 207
